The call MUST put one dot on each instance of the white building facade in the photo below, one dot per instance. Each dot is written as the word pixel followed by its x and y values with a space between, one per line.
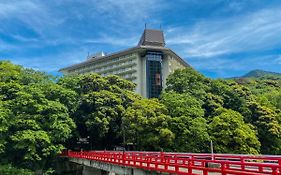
pixel 147 65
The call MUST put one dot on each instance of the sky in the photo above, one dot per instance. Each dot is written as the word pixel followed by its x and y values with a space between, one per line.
pixel 219 38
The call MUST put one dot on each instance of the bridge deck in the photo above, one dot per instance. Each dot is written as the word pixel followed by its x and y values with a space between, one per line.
pixel 187 163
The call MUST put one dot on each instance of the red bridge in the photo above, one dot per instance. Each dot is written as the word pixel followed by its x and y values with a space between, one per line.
pixel 180 163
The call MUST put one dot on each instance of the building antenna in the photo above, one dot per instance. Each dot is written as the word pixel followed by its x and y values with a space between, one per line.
pixel 160 26
pixel 88 55
pixel 144 25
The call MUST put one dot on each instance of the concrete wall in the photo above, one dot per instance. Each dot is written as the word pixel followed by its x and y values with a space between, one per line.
pixel 142 67
pixel 65 167
pixel 102 167
pixel 139 80
pixel 91 167
pixel 165 70
pixel 169 65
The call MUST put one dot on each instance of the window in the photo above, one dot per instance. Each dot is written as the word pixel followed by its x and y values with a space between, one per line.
pixel 154 74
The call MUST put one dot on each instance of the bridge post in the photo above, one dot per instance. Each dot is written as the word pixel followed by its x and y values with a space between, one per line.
pixel 274 171
pixel 279 163
pixel 205 172
pixel 223 169
pixel 242 160
pixel 189 167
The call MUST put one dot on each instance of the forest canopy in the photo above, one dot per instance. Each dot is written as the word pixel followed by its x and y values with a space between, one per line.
pixel 40 115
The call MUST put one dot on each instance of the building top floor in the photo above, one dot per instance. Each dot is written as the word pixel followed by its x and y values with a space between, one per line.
pixel 152 40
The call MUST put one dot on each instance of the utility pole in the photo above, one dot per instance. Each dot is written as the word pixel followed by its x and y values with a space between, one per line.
pixel 212 149
pixel 123 132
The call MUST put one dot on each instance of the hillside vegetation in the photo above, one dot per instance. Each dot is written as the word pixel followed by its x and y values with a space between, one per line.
pixel 41 115
pixel 262 74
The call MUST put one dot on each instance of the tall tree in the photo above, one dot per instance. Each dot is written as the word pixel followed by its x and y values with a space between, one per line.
pixel 35 121
pixel 231 134
pixel 147 125
pixel 102 102
pixel 182 104
pixel 188 81
pixel 268 127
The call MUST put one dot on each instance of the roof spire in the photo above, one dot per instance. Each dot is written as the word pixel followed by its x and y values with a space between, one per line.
pixel 152 37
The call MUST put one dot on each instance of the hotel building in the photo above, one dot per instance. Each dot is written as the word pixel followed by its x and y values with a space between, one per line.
pixel 147 65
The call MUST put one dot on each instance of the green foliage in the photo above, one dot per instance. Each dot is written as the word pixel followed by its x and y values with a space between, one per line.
pixel 147 125
pixel 262 74
pixel 188 81
pixel 102 102
pixel 212 103
pixel 41 114
pixel 4 120
pixel 14 73
pixel 187 122
pixel 254 104
pixel 182 104
pixel 34 120
pixel 198 129
pixel 194 103
pixel 186 130
pixel 10 170
pixel 264 110
pixel 104 116
pixel 230 95
pixel 271 99
pixel 231 134
pixel 268 127
pixel 37 119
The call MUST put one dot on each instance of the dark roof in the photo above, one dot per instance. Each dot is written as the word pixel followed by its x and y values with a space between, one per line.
pixel 152 37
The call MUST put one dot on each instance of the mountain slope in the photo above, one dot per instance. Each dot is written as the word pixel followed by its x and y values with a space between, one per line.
pixel 261 74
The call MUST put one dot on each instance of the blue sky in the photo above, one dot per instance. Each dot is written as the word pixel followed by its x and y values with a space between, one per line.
pixel 220 38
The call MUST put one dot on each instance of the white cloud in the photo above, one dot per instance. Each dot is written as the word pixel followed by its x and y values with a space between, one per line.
pixel 278 60
pixel 60 23
pixel 90 23
pixel 127 10
pixel 52 63
pixel 47 19
pixel 257 31
pixel 227 66
pixel 111 40
pixel 32 13
pixel 16 8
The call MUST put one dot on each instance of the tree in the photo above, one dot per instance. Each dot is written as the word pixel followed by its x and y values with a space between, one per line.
pixel 271 99
pixel 10 170
pixel 182 104
pixel 231 134
pixel 147 125
pixel 187 124
pixel 102 102
pixel 37 119
pixel 103 117
pixel 211 104
pixel 35 122
pixel 233 96
pixel 268 127
pixel 191 135
pixel 4 120
pixel 188 81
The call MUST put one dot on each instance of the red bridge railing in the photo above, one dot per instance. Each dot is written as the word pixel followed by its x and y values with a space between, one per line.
pixel 187 163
